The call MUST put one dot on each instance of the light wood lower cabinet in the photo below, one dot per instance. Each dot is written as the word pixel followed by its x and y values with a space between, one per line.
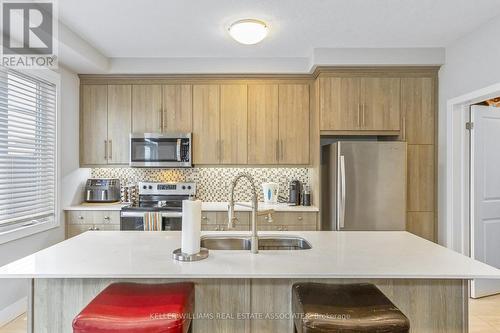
pixel 80 221
pixel 282 221
pixel 421 224
pixel 421 184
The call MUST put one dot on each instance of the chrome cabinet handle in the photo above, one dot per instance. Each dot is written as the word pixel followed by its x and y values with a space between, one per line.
pixel 359 115
pixel 277 150
pixel 107 218
pixel 204 218
pixel 403 129
pixel 80 217
pixel 96 229
pixel 281 150
pixel 160 120
pixel 342 192
pixel 105 149
pixel 221 150
pixel 300 218
pixel 110 150
pixel 363 114
pixel 91 228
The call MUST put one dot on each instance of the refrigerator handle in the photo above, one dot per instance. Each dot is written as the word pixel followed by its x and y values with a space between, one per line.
pixel 342 192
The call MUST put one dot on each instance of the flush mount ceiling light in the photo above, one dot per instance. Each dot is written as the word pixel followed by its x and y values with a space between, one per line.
pixel 248 31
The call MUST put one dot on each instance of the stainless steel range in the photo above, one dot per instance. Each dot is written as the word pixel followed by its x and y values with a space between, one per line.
pixel 165 198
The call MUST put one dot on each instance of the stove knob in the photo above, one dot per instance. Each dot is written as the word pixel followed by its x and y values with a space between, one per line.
pixel 183 187
pixel 189 187
pixel 150 187
pixel 144 187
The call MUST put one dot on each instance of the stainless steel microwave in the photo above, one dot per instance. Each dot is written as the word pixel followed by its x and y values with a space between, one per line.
pixel 160 150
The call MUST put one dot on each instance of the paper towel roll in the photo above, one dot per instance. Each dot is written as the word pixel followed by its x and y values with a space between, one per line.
pixel 191 226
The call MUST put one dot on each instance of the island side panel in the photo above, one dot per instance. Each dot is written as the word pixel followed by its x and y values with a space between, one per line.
pixel 431 305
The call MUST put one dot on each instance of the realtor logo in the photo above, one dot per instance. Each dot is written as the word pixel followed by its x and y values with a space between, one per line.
pixel 28 34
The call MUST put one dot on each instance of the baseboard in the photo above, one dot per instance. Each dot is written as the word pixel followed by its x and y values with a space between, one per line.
pixel 13 311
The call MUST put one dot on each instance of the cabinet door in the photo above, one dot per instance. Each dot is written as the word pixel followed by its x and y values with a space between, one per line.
pixel 421 183
pixel 206 124
pixel 94 124
pixel 233 119
pixel 146 108
pixel 119 123
pixel 421 224
pixel 339 103
pixel 380 104
pixel 419 105
pixel 177 108
pixel 263 126
pixel 294 123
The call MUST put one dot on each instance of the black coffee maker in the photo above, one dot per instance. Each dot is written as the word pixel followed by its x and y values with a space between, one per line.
pixel 294 191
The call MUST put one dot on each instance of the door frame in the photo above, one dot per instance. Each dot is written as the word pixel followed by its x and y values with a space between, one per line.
pixel 454 181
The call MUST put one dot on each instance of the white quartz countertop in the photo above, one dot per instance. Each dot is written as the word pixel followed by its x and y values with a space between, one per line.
pixel 138 254
pixel 205 206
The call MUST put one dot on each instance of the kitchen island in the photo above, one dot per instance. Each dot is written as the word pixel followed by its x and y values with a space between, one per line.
pixel 237 291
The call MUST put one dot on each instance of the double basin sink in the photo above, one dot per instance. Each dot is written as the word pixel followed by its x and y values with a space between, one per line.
pixel 219 242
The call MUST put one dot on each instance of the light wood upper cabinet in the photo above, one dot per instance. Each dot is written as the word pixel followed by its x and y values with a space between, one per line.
pixel 294 123
pixel 359 103
pixel 233 124
pixel 93 124
pixel 380 104
pixel 263 126
pixel 418 110
pixel 206 124
pixel 177 108
pixel 339 103
pixel 146 108
pixel 119 123
pixel 421 178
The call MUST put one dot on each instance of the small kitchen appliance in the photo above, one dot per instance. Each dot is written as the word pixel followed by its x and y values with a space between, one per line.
pixel 102 190
pixel 294 193
pixel 164 150
pixel 165 198
pixel 271 191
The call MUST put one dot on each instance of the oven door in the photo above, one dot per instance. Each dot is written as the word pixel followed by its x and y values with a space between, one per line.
pixel 135 221
pixel 160 150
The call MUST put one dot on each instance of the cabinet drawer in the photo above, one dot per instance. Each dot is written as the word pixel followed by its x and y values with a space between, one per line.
pixel 291 218
pixel 243 218
pixel 76 229
pixel 104 217
pixel 106 227
pixel 208 218
pixel 78 217
pixel 223 227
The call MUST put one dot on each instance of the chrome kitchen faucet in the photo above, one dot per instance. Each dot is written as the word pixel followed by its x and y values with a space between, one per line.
pixel 254 205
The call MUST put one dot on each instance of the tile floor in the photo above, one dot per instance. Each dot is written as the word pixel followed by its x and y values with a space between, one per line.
pixel 484 317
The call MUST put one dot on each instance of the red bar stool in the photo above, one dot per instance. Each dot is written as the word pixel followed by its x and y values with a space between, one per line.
pixel 138 308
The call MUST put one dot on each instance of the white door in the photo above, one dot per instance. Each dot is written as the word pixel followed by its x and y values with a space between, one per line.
pixel 485 194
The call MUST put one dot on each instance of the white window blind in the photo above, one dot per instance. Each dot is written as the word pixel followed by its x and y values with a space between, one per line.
pixel 27 150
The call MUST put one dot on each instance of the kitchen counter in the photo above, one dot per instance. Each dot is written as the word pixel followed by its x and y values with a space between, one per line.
pixel 206 206
pixel 132 254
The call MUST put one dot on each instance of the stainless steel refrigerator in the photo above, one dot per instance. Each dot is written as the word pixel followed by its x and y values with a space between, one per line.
pixel 363 185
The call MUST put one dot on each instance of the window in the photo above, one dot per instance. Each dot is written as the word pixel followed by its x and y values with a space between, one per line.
pixel 27 150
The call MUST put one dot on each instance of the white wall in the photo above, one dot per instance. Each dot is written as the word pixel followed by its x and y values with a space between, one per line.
pixel 11 291
pixel 472 63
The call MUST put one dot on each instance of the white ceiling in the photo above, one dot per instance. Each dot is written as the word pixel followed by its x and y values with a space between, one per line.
pixel 197 28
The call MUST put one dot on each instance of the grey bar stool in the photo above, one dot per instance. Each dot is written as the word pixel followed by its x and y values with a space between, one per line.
pixel 345 308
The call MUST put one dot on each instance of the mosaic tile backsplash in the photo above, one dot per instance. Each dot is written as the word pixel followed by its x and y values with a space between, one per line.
pixel 213 183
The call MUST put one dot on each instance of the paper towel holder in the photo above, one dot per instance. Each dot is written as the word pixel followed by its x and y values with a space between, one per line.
pixel 178 255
